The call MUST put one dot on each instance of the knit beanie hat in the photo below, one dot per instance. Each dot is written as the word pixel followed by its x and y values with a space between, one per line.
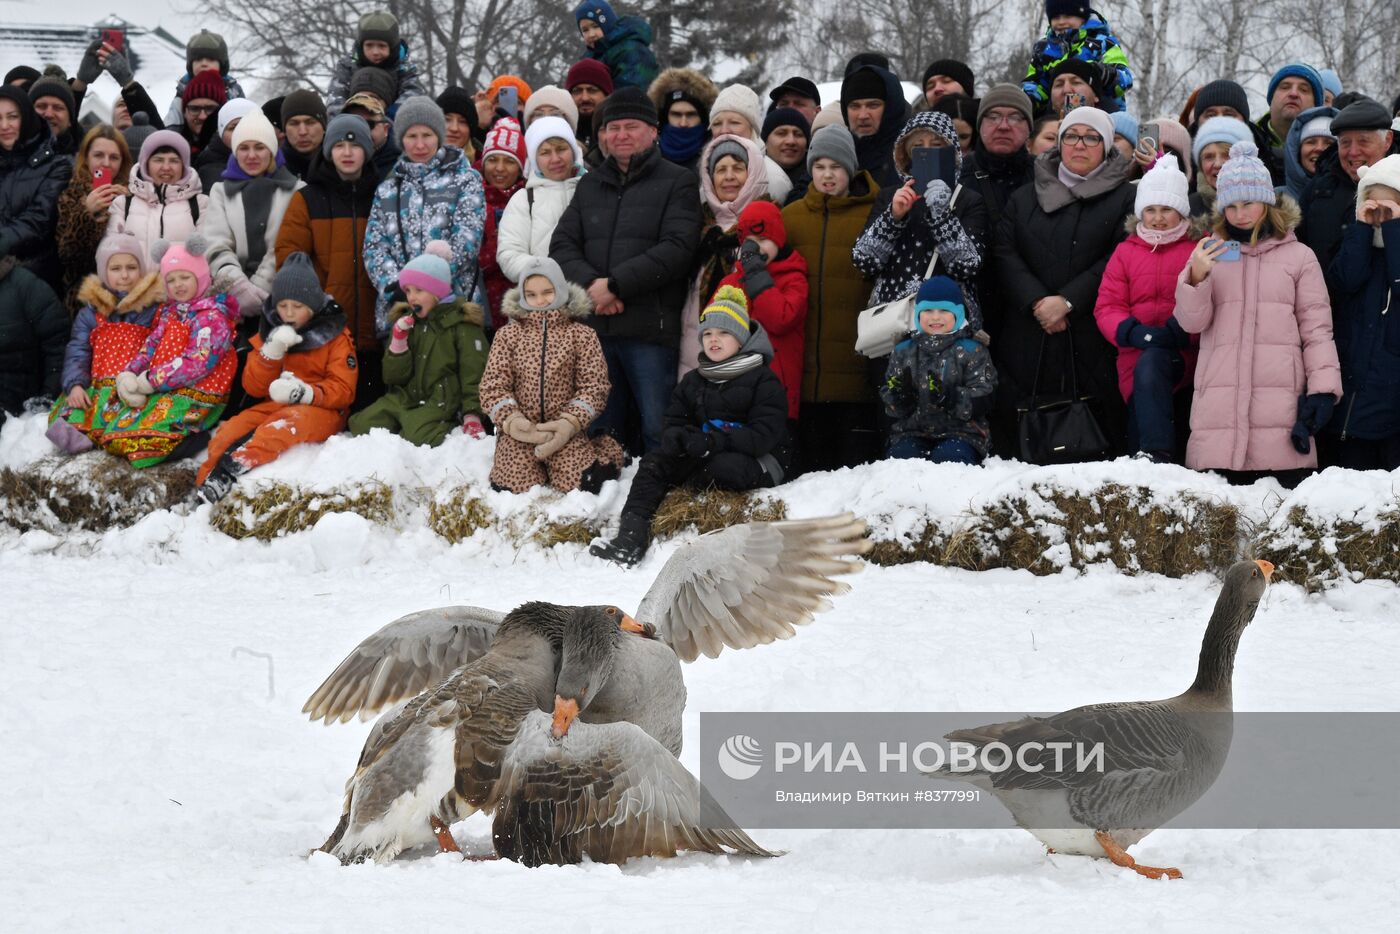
pixel 1125 125
pixel 374 81
pixel 1090 118
pixel 836 143
pixel 254 128
pixel 1220 130
pixel 763 220
pixel 1164 185
pixel 348 128
pixel 52 87
pixel 859 60
pixel 831 115
pixel 303 103
pixel 206 44
pixel 297 281
pixel 419 110
pixel 381 26
pixel 207 85
pixel 627 103
pixel 940 294
pixel 505 139
pixel 432 271
pixel 1244 178
pixel 139 131
pixel 1321 125
pixel 548 127
pixel 115 245
pixel 552 96
pixel 1385 172
pixel 725 147
pixel 728 311
pixel 236 109
pixel 599 11
pixel 785 116
pixel 1175 138
pixel 163 139
pixel 863 84
pixel 522 89
pixel 1222 93
pixel 1331 81
pixel 189 256
pixel 458 101
pixel 23 75
pixel 1005 95
pixel 950 68
pixel 272 110
pixel 589 71
pixel 739 99
pixel 1297 70
pixel 1054 8
pixel 544 266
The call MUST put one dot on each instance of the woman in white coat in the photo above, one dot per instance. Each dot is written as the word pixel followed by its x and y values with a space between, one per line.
pixel 553 166
pixel 165 200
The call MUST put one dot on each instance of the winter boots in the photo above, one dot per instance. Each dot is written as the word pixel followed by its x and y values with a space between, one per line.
pixel 221 479
pixel 631 543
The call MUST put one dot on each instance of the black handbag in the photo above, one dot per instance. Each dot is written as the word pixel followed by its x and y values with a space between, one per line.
pixel 1059 429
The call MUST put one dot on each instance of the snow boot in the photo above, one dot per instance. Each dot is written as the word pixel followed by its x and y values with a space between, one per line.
pixel 631 543
pixel 221 479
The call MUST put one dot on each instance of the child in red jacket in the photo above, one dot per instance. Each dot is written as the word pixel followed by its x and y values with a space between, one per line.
pixel 774 278
pixel 1134 312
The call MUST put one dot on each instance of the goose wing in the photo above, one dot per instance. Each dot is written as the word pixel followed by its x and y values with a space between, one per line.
pixel 403 659
pixel 750 584
pixel 606 791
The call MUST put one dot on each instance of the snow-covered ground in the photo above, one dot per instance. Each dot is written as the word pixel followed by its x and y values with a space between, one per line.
pixel 157 774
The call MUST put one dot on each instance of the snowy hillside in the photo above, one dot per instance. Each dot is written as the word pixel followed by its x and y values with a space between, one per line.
pixel 158 774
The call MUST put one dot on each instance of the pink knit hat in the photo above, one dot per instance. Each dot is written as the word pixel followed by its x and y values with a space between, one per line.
pixel 115 245
pixel 184 257
pixel 431 272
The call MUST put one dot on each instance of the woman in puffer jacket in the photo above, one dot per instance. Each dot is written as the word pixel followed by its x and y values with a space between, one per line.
pixel 553 166
pixel 166 200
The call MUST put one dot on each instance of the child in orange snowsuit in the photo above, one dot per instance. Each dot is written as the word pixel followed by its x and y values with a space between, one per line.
pixel 303 364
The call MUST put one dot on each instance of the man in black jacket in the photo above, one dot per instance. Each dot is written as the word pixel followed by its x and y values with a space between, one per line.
pixel 1364 138
pixel 628 238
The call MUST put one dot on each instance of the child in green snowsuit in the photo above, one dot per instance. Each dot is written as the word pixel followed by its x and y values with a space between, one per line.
pixel 437 353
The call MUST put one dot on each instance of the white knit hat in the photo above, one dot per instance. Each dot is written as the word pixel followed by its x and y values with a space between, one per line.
pixel 1091 118
pixel 548 127
pixel 552 96
pixel 1385 172
pixel 1321 125
pixel 1164 185
pixel 254 126
pixel 739 99
pixel 236 109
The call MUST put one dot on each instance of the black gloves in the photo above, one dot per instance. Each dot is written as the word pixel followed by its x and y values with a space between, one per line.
pixel 1314 411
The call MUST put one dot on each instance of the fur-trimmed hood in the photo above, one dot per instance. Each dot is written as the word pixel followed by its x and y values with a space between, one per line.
pixel 687 80
pixel 576 308
pixel 148 291
pixel 1286 210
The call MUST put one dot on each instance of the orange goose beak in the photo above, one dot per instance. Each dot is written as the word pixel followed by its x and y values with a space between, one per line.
pixel 1266 567
pixel 564 713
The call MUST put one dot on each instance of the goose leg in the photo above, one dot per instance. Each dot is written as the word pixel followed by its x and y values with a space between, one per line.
pixel 1120 857
pixel 446 842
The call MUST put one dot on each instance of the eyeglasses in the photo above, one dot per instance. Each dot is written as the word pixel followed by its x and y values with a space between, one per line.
pixel 1011 119
pixel 203 109
pixel 1082 139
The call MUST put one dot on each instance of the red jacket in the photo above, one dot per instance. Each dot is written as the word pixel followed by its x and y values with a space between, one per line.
pixel 491 274
pixel 1141 283
pixel 782 310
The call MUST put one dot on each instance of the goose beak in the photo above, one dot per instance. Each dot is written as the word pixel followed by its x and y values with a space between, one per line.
pixel 564 713
pixel 628 624
pixel 1266 567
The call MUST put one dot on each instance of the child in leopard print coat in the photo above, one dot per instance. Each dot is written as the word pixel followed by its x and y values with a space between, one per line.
pixel 546 380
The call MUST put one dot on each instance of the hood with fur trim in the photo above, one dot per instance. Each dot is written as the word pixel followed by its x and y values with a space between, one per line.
pixel 687 80
pixel 576 308
pixel 1286 210
pixel 148 291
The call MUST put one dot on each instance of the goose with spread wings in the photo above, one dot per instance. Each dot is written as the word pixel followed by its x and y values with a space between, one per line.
pixel 609 787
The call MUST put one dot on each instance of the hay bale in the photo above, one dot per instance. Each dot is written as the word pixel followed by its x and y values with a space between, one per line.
pixel 711 509
pixel 91 492
pixel 1315 552
pixel 574 532
pixel 459 514
pixel 272 510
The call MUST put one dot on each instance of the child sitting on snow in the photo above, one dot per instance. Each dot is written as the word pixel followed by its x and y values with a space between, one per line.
pixel 1078 32
pixel 176 387
pixel 546 381
pixel 377 45
pixel 436 354
pixel 621 43
pixel 726 425
pixel 939 383
pixel 120 302
pixel 303 363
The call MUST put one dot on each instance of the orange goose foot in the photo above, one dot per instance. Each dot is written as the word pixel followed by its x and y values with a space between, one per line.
pixel 446 842
pixel 1120 857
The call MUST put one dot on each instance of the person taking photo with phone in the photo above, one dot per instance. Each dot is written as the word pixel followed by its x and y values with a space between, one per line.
pixel 99 178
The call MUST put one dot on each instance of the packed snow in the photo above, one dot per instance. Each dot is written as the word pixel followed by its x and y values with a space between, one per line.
pixel 158 773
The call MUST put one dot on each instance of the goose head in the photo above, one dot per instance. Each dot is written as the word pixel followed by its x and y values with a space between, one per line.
pixel 588 650
pixel 1245 583
pixel 1239 598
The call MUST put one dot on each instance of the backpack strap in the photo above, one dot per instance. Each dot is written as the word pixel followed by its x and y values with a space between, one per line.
pixel 194 210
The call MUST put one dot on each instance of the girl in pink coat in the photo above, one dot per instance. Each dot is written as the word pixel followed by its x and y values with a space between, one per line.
pixel 1268 377
pixel 1134 310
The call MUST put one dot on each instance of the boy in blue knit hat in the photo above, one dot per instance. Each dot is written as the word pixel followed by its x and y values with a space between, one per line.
pixel 939 384
pixel 1078 32
pixel 623 43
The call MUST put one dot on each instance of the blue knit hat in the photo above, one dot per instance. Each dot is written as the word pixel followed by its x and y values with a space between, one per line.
pixel 600 12
pixel 1243 178
pixel 1297 70
pixel 1220 130
pixel 1331 81
pixel 431 271
pixel 1125 125
pixel 940 294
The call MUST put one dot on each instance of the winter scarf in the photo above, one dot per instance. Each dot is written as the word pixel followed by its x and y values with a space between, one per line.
pixel 257 203
pixel 680 144
pixel 756 352
pixel 1156 238
pixel 726 213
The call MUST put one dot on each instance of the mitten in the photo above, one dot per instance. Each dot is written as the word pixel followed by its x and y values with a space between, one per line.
pixel 561 431
pixel 937 391
pixel 289 390
pixel 119 68
pixel 90 69
pixel 398 341
pixel 937 196
pixel 1177 338
pixel 134 389
pixel 1314 411
pixel 701 444
pixel 1133 333
pixel 673 442
pixel 250 298
pixel 471 424
pixel 279 341
pixel 520 428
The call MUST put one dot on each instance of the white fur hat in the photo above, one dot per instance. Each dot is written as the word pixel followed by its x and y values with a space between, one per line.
pixel 739 99
pixel 548 127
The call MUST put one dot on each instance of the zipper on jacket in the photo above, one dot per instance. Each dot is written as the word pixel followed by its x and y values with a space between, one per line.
pixel 821 281
pixel 544 353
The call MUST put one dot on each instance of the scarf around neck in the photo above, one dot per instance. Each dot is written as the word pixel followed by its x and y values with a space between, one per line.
pixel 1156 238
pixel 725 370
pixel 681 144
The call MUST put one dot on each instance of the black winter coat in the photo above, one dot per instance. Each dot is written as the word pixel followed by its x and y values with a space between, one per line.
pixel 755 402
pixel 1061 252
pixel 1364 281
pixel 32 176
pixel 33 333
pixel 210 163
pixel 994 178
pixel 639 231
pixel 1329 207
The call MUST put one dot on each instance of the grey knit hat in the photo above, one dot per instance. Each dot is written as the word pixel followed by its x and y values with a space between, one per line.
pixel 544 266
pixel 420 110
pixel 728 311
pixel 348 128
pixel 724 148
pixel 836 143
pixel 297 280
